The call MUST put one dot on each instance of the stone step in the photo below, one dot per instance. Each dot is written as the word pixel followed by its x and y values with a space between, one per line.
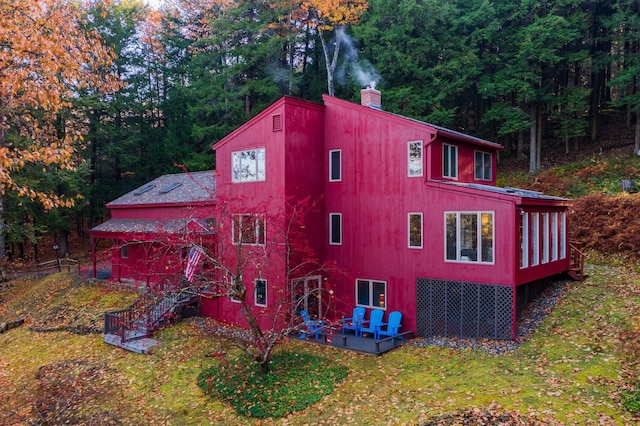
pixel 140 346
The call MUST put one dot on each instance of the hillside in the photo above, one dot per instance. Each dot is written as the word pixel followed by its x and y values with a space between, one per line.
pixel 579 367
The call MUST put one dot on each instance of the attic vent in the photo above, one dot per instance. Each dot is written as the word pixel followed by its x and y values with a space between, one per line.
pixel 170 187
pixel 144 189
pixel 277 122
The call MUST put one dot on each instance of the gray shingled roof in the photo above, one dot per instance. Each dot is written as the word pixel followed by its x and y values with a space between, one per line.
pixel 516 192
pixel 181 188
pixel 148 226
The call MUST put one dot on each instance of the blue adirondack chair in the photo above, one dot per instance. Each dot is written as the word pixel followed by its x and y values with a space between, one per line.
pixel 373 323
pixel 355 322
pixel 392 327
pixel 314 327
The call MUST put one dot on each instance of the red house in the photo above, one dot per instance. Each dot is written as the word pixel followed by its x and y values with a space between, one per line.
pixel 408 210
pixel 151 228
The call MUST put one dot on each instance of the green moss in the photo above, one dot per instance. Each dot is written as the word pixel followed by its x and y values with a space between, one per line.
pixel 296 380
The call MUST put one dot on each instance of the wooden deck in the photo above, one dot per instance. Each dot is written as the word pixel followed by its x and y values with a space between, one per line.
pixel 351 342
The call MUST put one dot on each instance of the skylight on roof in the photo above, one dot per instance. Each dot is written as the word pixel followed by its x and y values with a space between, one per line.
pixel 170 187
pixel 144 189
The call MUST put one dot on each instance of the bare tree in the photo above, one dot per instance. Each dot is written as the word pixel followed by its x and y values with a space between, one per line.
pixel 284 257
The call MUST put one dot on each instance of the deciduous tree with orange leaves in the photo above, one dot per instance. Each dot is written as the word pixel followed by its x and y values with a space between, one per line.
pixel 326 16
pixel 46 57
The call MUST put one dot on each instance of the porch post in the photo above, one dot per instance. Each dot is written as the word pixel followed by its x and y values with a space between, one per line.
pixel 93 257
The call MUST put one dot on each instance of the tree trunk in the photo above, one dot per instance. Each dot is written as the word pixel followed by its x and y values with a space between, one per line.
pixel 539 133
pixel 3 228
pixel 331 62
pixel 520 148
pixel 636 145
pixel 2 231
pixel 533 139
pixel 64 243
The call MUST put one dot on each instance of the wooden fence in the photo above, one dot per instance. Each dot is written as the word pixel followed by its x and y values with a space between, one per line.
pixel 63 264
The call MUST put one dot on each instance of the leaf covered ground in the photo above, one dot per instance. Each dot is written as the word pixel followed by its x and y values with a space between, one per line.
pixel 573 370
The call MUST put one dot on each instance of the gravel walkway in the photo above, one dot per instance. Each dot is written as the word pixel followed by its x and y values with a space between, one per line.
pixel 528 322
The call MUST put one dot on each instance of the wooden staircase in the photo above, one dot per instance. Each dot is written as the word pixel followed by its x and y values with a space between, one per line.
pixel 576 262
pixel 131 328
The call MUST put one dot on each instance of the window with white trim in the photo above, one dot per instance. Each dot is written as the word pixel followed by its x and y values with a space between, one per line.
pixel 450 161
pixel 545 237
pixel 469 237
pixel 236 288
pixel 414 225
pixel 524 240
pixel 335 165
pixel 535 239
pixel 483 166
pixel 563 235
pixel 335 228
pixel 260 292
pixel 248 166
pixel 124 252
pixel 371 293
pixel 414 166
pixel 554 236
pixel 248 229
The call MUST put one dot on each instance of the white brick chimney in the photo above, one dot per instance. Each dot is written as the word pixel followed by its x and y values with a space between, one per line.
pixel 371 97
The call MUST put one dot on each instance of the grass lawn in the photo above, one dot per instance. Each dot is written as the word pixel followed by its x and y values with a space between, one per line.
pixel 570 371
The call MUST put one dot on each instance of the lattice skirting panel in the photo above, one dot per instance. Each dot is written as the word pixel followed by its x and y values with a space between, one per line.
pixel 463 309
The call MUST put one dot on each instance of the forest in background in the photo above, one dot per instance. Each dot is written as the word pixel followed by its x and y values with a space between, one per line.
pixel 533 75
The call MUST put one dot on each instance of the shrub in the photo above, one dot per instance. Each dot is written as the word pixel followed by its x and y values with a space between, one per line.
pixel 631 399
pixel 296 381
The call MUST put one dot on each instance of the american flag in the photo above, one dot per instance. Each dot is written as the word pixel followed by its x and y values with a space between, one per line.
pixel 192 262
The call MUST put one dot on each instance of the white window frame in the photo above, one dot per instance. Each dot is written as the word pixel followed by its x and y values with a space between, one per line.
pixel 415 159
pixel 231 285
pixel 372 303
pixel 524 240
pixel 255 292
pixel 535 238
pixel 563 235
pixel 259 226
pixel 479 235
pixel 545 237
pixel 554 236
pixel 124 251
pixel 331 240
pixel 331 169
pixel 244 168
pixel 449 168
pixel 409 216
pixel 486 158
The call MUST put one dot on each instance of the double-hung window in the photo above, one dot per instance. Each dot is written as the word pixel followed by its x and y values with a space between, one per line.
pixel 260 293
pixel 371 293
pixel 248 229
pixel 469 237
pixel 335 165
pixel 414 167
pixel 450 161
pixel 483 166
pixel 248 166
pixel 335 228
pixel 415 230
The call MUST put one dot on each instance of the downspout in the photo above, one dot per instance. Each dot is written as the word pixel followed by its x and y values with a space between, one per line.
pixel 428 174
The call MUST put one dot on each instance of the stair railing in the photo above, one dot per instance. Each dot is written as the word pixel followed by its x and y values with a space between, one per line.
pixel 576 259
pixel 148 311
